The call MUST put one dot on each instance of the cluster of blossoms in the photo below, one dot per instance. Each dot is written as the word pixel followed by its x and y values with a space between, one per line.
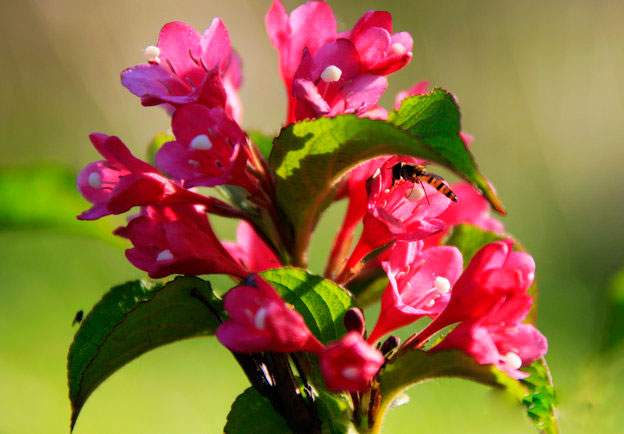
pixel 196 77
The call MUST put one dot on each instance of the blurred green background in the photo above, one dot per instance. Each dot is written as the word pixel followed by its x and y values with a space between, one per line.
pixel 540 86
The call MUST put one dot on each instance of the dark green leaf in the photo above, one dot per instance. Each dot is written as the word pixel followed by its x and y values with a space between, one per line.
pixel 541 401
pixel 132 319
pixel 320 301
pixel 263 141
pixel 308 157
pixel 46 197
pixel 253 413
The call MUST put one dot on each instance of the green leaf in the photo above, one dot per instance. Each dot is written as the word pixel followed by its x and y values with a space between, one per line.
pixel 541 401
pixel 334 410
pixel 321 302
pixel 614 330
pixel 46 197
pixel 469 239
pixel 252 413
pixel 263 141
pixel 132 319
pixel 417 366
pixel 157 142
pixel 310 156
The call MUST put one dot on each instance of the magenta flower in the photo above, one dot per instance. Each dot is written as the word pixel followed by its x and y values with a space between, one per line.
pixel 327 73
pixel 122 181
pixel 420 284
pixel 350 363
pixel 499 338
pixel 186 67
pixel 403 211
pixel 251 250
pixel 494 274
pixel 177 239
pixel 210 149
pixel 472 208
pixel 259 321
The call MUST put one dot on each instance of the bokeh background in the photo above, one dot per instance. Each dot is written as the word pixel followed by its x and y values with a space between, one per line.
pixel 540 85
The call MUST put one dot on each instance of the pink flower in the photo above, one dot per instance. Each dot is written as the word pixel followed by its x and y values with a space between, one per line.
pixel 355 190
pixel 177 239
pixel 420 284
pixel 499 338
pixel 122 181
pixel 259 320
pixel 327 73
pixel 472 208
pixel 210 149
pixel 251 250
pixel 494 274
pixel 187 67
pixel 381 52
pixel 350 363
pixel 398 212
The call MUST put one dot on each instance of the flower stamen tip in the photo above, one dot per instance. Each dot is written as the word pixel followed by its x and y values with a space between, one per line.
pixel 260 318
pixel 512 360
pixel 95 180
pixel 201 142
pixel 331 74
pixel 152 54
pixel 398 48
pixel 442 285
pixel 164 256
pixel 350 373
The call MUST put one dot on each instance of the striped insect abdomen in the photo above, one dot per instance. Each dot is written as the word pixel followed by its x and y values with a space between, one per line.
pixel 439 184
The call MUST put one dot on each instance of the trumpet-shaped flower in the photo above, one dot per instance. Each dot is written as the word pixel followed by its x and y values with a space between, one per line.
pixel 420 282
pixel 177 239
pixel 499 337
pixel 251 250
pixel 350 363
pixel 210 149
pixel 259 320
pixel 328 73
pixel 494 274
pixel 186 67
pixel 398 211
pixel 122 181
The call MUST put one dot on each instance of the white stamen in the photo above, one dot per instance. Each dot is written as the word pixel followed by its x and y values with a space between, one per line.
pixel 417 193
pixel 398 48
pixel 193 163
pixel 201 142
pixel 442 284
pixel 400 400
pixel 165 255
pixel 350 373
pixel 431 303
pixel 260 318
pixel 331 74
pixel 512 360
pixel 95 180
pixel 152 54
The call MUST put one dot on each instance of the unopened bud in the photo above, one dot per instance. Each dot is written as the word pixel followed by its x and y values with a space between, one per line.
pixel 354 320
pixel 389 345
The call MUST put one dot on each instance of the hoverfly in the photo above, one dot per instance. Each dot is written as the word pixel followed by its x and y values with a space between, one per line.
pixel 417 173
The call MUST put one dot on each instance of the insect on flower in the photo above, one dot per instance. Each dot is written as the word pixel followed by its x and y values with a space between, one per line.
pixel 417 173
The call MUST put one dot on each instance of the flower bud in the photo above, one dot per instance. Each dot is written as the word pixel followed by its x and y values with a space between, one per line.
pixel 350 363
pixel 354 320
